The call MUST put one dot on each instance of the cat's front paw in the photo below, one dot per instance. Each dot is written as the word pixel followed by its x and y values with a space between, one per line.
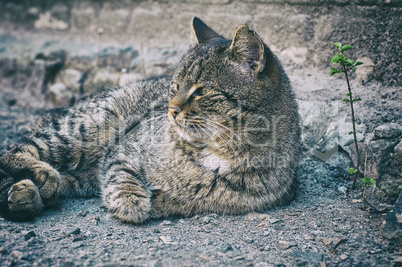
pixel 24 201
pixel 47 181
pixel 128 205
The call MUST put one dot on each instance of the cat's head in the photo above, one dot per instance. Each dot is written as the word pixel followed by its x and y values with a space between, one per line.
pixel 218 80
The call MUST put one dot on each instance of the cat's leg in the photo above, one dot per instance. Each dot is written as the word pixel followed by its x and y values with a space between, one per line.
pixel 80 184
pixel 26 183
pixel 124 193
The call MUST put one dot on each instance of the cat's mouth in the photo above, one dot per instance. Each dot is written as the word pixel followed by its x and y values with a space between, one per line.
pixel 204 132
pixel 191 129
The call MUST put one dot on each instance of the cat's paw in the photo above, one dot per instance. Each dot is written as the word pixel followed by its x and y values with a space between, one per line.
pixel 129 206
pixel 24 201
pixel 6 181
pixel 47 181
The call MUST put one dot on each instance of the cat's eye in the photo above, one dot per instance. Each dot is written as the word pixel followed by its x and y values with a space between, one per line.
pixel 174 88
pixel 202 91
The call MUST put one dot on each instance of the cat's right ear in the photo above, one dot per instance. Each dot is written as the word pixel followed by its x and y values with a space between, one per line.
pixel 248 49
pixel 202 32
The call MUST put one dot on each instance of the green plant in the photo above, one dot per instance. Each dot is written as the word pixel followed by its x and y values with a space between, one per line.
pixel 346 65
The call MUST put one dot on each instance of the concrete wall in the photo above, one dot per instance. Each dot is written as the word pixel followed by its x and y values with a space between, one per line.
pixel 300 31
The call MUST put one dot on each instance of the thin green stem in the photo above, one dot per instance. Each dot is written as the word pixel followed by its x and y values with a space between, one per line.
pixel 354 127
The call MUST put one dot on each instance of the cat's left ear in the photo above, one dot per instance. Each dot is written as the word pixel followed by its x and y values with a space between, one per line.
pixel 248 49
pixel 202 32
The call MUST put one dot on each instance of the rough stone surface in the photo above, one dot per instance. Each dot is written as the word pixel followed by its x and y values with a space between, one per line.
pixel 392 225
pixel 365 71
pixel 388 131
pixel 71 78
pixel 60 95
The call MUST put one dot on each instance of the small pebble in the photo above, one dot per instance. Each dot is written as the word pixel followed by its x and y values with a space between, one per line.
pixel 332 243
pixel 12 102
pixel 28 235
pixel 76 231
pixel 254 216
pixel 226 247
pixel 343 257
pixel 82 213
pixel 204 220
pixel 284 245
pixel 76 238
pixel 273 221
pixel 16 255
pixel 248 240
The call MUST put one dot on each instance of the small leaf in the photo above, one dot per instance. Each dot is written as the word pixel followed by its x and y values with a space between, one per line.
pixel 358 63
pixel 352 170
pixel 367 181
pixel 339 71
pixel 349 62
pixel 338 45
pixel 333 71
pixel 357 99
pixel 335 59
pixel 345 100
pixel 353 69
pixel 342 60
pixel 348 94
pixel 371 181
pixel 350 133
pixel 346 47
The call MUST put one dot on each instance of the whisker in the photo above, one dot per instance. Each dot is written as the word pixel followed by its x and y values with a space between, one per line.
pixel 154 118
pixel 213 141
pixel 201 127
pixel 223 126
pixel 222 138
pixel 155 128
pixel 233 134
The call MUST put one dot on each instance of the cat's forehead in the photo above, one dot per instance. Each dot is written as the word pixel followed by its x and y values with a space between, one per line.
pixel 199 58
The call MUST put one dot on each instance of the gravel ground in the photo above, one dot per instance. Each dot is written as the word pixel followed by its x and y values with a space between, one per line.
pixel 323 226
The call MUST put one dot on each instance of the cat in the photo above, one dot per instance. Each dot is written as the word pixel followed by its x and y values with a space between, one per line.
pixel 221 135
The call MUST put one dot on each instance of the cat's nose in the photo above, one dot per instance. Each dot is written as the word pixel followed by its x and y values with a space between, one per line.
pixel 174 111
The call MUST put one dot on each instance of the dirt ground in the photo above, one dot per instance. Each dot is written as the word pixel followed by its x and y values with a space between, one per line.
pixel 323 226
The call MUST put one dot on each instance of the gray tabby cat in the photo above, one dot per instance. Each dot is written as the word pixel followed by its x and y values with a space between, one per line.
pixel 221 135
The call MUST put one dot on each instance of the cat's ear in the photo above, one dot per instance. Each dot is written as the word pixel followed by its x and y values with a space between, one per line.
pixel 202 32
pixel 248 49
